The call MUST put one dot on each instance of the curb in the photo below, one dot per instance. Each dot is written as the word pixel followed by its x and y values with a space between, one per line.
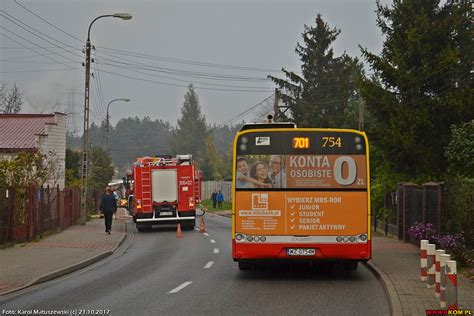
pixel 394 301
pixel 71 268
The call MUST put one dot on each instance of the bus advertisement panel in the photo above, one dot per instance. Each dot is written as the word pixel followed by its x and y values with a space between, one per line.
pixel 301 192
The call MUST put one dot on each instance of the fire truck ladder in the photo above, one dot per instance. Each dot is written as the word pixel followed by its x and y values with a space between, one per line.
pixel 146 188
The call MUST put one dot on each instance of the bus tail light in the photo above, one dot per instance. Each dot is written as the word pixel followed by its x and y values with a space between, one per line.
pixel 139 204
pixel 191 202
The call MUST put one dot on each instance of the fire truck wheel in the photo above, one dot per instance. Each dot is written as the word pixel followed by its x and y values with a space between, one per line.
pixel 141 228
pixel 189 225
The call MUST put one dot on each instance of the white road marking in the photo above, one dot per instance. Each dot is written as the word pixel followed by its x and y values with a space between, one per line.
pixel 213 241
pixel 196 229
pixel 206 234
pixel 179 288
pixel 216 250
pixel 209 264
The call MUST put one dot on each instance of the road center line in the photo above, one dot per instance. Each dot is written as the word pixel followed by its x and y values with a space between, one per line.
pixel 179 288
pixel 206 234
pixel 209 264
pixel 216 250
pixel 213 241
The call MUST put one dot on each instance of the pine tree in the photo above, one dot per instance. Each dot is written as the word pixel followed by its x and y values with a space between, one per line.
pixel 422 84
pixel 191 132
pixel 319 96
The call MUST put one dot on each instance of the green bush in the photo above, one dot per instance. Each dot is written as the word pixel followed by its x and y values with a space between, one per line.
pixel 460 209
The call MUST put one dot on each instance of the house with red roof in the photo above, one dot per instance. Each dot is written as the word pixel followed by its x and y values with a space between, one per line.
pixel 44 133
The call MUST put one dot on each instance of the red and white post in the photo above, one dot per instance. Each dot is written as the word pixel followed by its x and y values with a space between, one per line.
pixel 438 254
pixel 430 266
pixel 423 255
pixel 442 271
pixel 451 285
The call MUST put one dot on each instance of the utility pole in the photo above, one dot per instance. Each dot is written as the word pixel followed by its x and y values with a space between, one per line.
pixel 276 116
pixel 361 113
pixel 85 135
pixel 85 143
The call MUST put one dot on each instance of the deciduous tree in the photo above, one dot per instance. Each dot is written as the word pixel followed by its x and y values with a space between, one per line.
pixel 10 99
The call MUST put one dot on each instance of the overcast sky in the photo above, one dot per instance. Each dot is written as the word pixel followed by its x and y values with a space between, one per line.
pixel 256 36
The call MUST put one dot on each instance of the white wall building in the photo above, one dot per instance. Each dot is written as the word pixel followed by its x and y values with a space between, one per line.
pixel 45 133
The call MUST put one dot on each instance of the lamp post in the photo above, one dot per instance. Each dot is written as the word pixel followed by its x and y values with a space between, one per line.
pixel 85 136
pixel 107 123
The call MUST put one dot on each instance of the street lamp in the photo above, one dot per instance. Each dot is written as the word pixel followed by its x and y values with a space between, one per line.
pixel 107 123
pixel 85 136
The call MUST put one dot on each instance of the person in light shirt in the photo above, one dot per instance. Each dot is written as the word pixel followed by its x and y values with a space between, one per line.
pixel 277 173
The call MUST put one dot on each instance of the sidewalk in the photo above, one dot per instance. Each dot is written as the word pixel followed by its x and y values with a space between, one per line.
pixel 74 248
pixel 397 264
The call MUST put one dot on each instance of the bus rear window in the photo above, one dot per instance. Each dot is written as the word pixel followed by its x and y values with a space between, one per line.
pixel 299 160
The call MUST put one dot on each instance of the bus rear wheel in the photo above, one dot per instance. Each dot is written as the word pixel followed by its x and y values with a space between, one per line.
pixel 351 265
pixel 245 266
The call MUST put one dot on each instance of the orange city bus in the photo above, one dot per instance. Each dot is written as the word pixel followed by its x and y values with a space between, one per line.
pixel 300 194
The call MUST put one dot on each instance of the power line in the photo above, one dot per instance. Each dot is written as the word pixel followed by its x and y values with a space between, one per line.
pixel 44 20
pixel 179 72
pixel 132 69
pixel 99 84
pixel 178 85
pixel 12 18
pixel 186 62
pixel 248 110
pixel 15 59
pixel 11 39
pixel 37 70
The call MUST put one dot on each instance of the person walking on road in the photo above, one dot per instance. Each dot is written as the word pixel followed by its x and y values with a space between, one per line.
pixel 214 199
pixel 108 207
pixel 220 199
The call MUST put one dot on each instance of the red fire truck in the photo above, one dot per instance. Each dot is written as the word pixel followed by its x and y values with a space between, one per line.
pixel 166 190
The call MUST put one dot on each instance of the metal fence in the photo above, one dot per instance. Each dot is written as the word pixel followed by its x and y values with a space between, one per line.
pixel 28 213
pixel 449 207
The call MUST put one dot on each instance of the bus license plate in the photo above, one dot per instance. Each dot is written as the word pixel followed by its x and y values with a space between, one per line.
pixel 300 252
pixel 166 213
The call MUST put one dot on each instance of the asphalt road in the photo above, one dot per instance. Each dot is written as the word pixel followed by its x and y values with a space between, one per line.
pixel 157 274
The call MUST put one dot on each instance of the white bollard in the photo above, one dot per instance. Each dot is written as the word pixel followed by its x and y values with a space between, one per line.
pixel 430 266
pixel 423 254
pixel 451 285
pixel 442 272
pixel 438 254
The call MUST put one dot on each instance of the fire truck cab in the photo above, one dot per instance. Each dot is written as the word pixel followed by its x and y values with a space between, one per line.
pixel 166 191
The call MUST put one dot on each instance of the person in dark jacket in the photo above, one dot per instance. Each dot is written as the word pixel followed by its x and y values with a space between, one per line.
pixel 214 199
pixel 108 207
